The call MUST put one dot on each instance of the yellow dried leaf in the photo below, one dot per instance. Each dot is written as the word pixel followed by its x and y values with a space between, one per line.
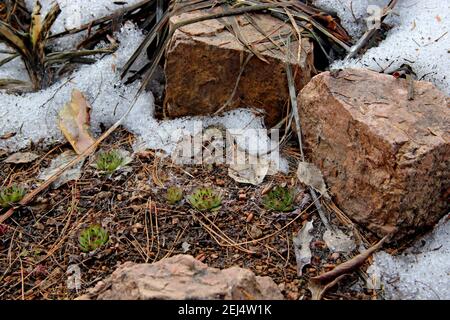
pixel 36 24
pixel 74 122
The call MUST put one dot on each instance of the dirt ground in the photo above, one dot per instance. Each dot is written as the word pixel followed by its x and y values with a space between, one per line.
pixel 40 241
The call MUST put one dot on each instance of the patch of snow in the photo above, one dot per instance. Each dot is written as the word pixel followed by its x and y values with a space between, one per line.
pixel 352 13
pixel 420 37
pixel 422 272
pixel 76 13
pixel 34 116
pixel 14 69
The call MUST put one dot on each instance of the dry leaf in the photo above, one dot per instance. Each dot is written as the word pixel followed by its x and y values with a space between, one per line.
pixel 21 157
pixel 302 247
pixel 74 122
pixel 59 162
pixel 311 176
pixel 249 173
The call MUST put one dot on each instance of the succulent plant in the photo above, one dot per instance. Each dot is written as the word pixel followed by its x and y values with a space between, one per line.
pixel 279 199
pixel 92 238
pixel 174 195
pixel 109 161
pixel 204 199
pixel 11 195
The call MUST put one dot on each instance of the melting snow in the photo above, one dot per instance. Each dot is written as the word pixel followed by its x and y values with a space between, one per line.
pixel 34 116
pixel 422 272
pixel 420 37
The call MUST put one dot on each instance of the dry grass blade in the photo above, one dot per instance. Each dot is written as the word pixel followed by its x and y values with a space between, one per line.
pixel 303 17
pixel 145 43
pixel 14 38
pixel 296 115
pixel 49 20
pixel 12 84
pixel 36 24
pixel 61 57
pixel 10 58
pixel 318 290
pixel 103 20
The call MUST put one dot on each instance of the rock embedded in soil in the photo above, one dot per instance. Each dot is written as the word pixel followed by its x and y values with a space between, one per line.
pixel 385 158
pixel 182 277
pixel 204 62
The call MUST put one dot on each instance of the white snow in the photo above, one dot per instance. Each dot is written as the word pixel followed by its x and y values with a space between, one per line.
pixel 422 272
pixel 420 37
pixel 351 12
pixel 76 13
pixel 34 116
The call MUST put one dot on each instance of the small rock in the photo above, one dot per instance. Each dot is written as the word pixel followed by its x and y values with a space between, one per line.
pixel 334 256
pixel 39 226
pixel 200 257
pixel 255 232
pixel 292 295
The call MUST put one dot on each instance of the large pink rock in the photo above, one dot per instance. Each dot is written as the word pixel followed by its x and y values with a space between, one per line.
pixel 182 277
pixel 385 158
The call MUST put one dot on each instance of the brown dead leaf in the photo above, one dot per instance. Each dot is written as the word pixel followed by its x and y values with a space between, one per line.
pixel 74 122
pixel 21 157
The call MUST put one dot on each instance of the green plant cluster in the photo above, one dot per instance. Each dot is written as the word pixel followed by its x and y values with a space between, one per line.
pixel 92 238
pixel 11 195
pixel 109 161
pixel 205 199
pixel 279 199
pixel 174 195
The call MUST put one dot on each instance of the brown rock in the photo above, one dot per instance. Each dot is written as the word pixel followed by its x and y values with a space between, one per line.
pixel 203 64
pixel 385 158
pixel 182 278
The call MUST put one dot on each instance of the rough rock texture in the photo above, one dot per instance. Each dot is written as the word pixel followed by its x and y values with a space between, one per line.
pixel 385 159
pixel 182 278
pixel 204 61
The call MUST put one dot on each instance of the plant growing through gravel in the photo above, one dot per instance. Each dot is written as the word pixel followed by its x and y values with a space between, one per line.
pixel 11 195
pixel 92 238
pixel 204 199
pixel 109 161
pixel 174 195
pixel 279 199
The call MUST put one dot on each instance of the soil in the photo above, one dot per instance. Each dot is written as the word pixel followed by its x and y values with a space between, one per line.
pixel 39 243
